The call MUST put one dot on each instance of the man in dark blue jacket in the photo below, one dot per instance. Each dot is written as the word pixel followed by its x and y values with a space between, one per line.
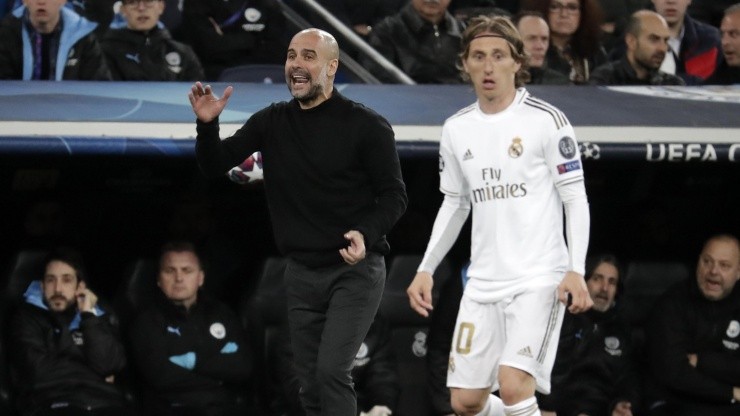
pixel 695 45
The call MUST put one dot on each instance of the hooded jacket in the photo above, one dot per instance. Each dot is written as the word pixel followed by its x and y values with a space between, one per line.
pixel 64 357
pixel 78 57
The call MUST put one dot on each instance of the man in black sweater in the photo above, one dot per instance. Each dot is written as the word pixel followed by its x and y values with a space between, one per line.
pixel 334 188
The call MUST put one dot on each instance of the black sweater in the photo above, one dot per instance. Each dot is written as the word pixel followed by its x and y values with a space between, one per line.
pixel 328 170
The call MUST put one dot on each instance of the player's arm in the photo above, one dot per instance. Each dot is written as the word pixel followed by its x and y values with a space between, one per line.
pixel 450 219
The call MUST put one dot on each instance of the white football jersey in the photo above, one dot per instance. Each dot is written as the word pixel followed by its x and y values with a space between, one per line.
pixel 508 164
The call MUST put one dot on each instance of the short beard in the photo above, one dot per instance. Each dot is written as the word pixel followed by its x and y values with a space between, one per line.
pixel 316 89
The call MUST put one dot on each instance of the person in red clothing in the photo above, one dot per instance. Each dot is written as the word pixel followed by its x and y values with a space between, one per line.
pixel 695 46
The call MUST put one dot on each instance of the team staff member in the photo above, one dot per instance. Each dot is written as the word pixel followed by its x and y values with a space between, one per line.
pixel 189 349
pixel 515 159
pixel 65 347
pixel 142 51
pixel 334 188
pixel 693 336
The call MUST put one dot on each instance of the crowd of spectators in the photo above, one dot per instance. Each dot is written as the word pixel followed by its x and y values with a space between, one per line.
pixel 189 40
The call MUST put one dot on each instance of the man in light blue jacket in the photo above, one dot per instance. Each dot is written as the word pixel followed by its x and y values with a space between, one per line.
pixel 43 40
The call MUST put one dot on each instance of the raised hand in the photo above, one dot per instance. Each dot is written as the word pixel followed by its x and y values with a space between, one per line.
pixel 206 105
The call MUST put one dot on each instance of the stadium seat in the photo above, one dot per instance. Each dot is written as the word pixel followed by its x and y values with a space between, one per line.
pixel 26 266
pixel 645 281
pixel 137 289
pixel 260 73
pixel 409 332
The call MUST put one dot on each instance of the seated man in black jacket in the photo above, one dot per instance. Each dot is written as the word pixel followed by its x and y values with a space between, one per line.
pixel 694 335
pixel 64 347
pixel 190 350
pixel 646 37
pixel 143 51
pixel 595 372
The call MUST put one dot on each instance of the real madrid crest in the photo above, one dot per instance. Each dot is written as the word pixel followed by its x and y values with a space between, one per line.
pixel 733 329
pixel 218 330
pixel 516 149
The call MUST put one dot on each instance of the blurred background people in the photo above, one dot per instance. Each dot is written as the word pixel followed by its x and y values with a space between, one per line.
pixel 423 40
pixel 647 44
pixel 143 51
pixel 575 36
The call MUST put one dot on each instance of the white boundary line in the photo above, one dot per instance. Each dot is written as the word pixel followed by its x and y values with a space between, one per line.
pixel 177 131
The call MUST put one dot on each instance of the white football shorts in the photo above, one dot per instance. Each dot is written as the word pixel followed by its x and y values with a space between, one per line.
pixel 520 332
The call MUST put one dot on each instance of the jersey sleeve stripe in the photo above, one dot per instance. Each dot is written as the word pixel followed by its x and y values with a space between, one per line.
pixel 560 120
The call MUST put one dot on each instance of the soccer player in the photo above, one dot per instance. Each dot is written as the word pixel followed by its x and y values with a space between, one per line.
pixel 514 158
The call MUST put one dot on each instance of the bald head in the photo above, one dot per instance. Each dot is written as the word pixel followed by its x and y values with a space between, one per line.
pixel 646 37
pixel 642 19
pixel 310 66
pixel 326 41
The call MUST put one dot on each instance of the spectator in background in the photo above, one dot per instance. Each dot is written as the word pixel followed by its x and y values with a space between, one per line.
pixel 43 40
pixel 709 11
pixel 575 34
pixel 142 51
pixel 695 46
pixel 423 40
pixel 647 44
pixel 64 347
pixel 374 373
pixel 616 14
pixel 536 37
pixel 694 334
pixel 595 372
pixel 729 71
pixel 362 15
pixel 190 350
pixel 232 33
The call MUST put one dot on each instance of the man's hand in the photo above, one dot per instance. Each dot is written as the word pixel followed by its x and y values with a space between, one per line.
pixel 377 411
pixel 355 252
pixel 86 299
pixel 622 408
pixel 574 284
pixel 420 293
pixel 693 359
pixel 206 105
pixel 736 394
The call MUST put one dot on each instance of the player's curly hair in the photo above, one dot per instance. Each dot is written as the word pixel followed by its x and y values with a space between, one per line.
pixel 501 26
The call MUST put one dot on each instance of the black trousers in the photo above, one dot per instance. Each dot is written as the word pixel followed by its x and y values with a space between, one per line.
pixel 329 313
